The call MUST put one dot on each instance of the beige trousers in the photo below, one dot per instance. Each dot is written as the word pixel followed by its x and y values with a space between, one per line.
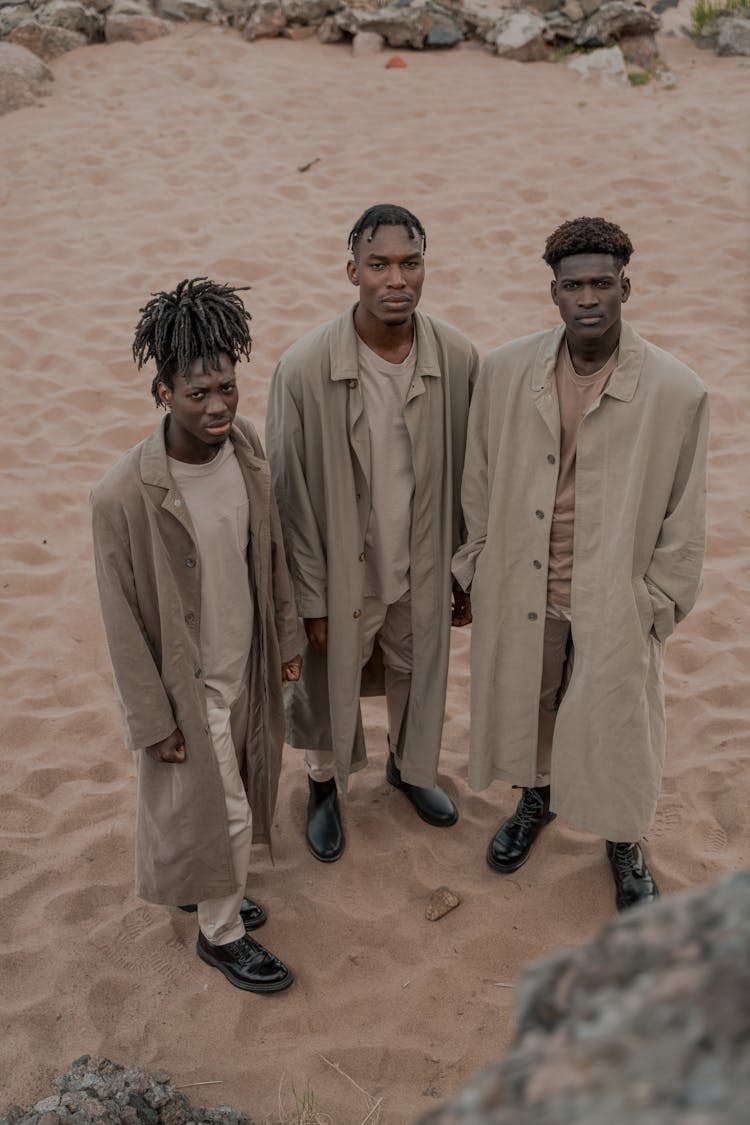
pixel 219 918
pixel 391 626
pixel 557 665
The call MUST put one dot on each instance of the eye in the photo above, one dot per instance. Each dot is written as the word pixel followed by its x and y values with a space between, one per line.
pixel 411 265
pixel 376 265
pixel 197 395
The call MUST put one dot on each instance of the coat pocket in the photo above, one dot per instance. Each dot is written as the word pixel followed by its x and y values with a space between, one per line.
pixel 644 605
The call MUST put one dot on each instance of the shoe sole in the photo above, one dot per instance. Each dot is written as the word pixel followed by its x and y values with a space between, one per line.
pixel 324 858
pixel 492 862
pixel 279 986
pixel 433 823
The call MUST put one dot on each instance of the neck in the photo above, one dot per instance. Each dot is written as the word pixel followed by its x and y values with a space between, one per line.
pixel 191 451
pixel 391 342
pixel 588 356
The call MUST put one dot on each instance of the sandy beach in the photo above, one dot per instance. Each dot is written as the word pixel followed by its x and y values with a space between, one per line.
pixel 182 157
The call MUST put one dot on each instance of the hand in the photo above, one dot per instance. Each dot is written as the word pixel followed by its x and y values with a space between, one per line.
pixel 317 634
pixel 461 614
pixel 291 669
pixel 170 749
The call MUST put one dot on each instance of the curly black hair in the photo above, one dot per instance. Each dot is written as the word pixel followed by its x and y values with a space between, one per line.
pixel 385 215
pixel 199 319
pixel 587 236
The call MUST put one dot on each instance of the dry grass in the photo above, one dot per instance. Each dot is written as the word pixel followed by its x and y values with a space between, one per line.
pixel 305 1112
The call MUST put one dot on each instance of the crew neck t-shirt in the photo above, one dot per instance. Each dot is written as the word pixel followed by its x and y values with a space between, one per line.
pixel 217 502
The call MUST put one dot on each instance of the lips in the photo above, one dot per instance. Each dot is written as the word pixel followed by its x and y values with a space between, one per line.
pixel 220 427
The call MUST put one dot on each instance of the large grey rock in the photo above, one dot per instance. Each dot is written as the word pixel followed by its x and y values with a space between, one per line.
pixel 23 77
pixel 520 36
pixel 734 36
pixel 131 21
pixel 185 10
pixel 96 1091
pixel 481 16
pixel 607 63
pixel 614 21
pixel 648 1024
pixel 446 30
pixel 46 42
pixel 74 16
pixel 12 15
pixel 266 21
pixel 401 25
pixel 329 31
pixel 367 43
pixel 309 11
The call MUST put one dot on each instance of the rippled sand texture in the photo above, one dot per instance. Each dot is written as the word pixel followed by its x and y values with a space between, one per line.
pixel 182 157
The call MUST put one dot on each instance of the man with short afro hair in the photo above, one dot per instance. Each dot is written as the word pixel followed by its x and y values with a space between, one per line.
pixel 199 616
pixel 584 498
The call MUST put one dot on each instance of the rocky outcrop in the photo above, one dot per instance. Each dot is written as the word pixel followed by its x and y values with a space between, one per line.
pixel 733 37
pixel 648 1023
pixel 101 1092
pixel 23 77
pixel 46 42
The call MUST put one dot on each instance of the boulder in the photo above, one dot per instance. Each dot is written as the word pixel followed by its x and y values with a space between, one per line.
pixel 520 36
pixel 481 16
pixel 46 42
pixel 73 16
pixel 401 25
pixel 446 30
pixel 11 15
pixel 605 62
pixel 308 11
pixel 23 77
pixel 649 1023
pixel 129 21
pixel 614 21
pixel 186 10
pixel 267 21
pixel 367 43
pixel 329 31
pixel 734 36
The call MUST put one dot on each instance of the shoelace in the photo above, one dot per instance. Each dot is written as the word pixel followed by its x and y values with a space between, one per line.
pixel 529 809
pixel 624 859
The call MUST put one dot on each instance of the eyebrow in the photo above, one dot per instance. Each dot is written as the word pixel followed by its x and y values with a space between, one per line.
pixel 373 257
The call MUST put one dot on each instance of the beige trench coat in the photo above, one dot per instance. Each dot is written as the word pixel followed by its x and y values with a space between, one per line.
pixel 148 573
pixel 319 448
pixel 638 552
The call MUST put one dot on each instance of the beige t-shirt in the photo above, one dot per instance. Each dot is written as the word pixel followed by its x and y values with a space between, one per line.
pixel 575 394
pixel 216 498
pixel 384 389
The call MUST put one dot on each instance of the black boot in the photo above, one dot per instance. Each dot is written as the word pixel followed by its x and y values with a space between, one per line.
pixel 510 846
pixel 325 836
pixel 433 805
pixel 633 881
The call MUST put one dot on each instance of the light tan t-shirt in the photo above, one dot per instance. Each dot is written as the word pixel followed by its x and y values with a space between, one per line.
pixel 575 394
pixel 216 498
pixel 384 389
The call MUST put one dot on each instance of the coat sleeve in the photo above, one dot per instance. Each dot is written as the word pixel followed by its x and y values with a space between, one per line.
pixel 474 486
pixel 145 708
pixel 285 441
pixel 674 575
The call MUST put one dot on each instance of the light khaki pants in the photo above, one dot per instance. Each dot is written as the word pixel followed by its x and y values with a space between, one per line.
pixel 557 666
pixel 391 626
pixel 219 918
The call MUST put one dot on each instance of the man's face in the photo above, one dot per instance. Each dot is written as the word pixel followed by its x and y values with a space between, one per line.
pixel 589 290
pixel 389 271
pixel 202 407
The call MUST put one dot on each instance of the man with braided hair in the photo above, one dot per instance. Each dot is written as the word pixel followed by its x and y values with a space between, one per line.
pixel 366 430
pixel 199 616
pixel 584 498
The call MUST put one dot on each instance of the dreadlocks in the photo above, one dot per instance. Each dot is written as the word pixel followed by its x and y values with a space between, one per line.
pixel 197 321
pixel 385 215
pixel 588 236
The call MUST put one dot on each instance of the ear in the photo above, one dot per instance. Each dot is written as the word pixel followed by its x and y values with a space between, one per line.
pixel 352 272
pixel 553 290
pixel 165 394
pixel 624 288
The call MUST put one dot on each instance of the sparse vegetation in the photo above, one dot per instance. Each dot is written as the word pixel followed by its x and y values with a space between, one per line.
pixel 704 12
pixel 639 77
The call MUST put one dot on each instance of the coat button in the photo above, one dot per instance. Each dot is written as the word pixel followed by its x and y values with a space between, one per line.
pixel 532 616
pixel 539 514
pixel 362 557
pixel 190 618
pixel 178 502
pixel 537 564
pixel 551 458
pixel 351 384
pixel 357 613
pixel 190 561
pixel 197 673
pixel 358 498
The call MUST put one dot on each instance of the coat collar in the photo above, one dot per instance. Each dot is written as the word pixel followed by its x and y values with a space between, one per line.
pixel 344 358
pixel 155 464
pixel 624 380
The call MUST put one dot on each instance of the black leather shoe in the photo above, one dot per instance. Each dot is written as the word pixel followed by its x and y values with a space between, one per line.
pixel 325 836
pixel 433 805
pixel 252 915
pixel 246 964
pixel 633 880
pixel 510 846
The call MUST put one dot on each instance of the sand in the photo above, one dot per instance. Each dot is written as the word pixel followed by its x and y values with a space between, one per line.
pixel 182 157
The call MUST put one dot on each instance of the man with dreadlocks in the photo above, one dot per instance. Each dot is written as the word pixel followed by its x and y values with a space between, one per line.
pixel 200 620
pixel 366 431
pixel 584 497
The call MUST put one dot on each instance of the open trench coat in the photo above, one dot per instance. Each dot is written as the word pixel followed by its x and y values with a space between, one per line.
pixel 148 573
pixel 318 444
pixel 638 552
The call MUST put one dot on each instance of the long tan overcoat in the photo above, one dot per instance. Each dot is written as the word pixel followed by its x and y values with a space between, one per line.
pixel 319 448
pixel 148 573
pixel 638 552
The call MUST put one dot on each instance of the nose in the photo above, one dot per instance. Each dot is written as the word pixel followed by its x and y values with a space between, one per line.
pixel 215 406
pixel 396 279
pixel 588 297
